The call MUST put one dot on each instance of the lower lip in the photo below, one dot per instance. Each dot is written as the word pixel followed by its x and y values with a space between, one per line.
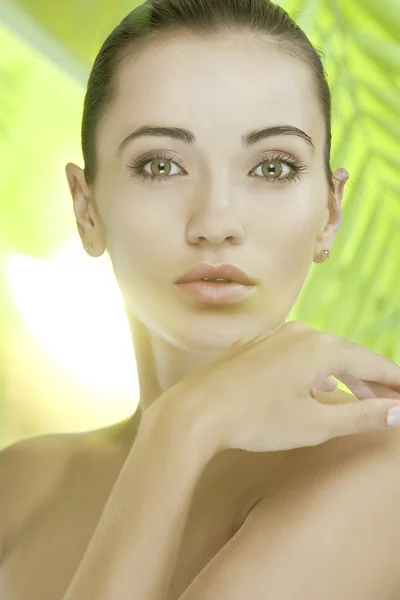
pixel 217 293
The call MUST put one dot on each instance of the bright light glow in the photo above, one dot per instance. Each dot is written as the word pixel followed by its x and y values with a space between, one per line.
pixel 73 306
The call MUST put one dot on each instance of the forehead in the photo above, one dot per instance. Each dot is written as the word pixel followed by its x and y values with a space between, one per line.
pixel 224 85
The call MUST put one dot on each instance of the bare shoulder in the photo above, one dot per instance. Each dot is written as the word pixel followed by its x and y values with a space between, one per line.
pixel 332 510
pixel 32 469
pixel 347 498
pixel 29 469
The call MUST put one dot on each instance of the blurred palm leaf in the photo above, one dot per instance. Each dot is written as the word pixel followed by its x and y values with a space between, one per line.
pixel 357 292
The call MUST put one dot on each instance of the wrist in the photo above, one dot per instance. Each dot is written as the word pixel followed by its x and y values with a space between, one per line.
pixel 177 420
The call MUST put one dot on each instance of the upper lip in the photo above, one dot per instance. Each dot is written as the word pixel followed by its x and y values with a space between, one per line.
pixel 226 271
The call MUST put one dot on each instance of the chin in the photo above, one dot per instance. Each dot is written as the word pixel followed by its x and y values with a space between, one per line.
pixel 217 335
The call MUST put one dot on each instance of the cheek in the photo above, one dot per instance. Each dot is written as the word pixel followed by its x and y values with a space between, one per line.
pixel 142 257
pixel 288 253
pixel 147 232
pixel 129 228
pixel 290 240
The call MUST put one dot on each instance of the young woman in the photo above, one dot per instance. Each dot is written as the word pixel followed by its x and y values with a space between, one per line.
pixel 206 139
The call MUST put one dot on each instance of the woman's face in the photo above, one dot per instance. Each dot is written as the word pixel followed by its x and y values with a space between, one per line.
pixel 271 224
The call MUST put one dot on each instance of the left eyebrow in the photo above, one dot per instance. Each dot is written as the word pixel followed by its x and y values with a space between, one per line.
pixel 184 135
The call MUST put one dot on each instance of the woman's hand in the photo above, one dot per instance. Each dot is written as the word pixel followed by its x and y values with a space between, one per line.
pixel 259 395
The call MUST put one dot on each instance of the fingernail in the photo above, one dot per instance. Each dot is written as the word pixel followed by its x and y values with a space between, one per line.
pixel 393 416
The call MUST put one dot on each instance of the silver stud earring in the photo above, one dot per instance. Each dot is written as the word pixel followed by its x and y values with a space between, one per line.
pixel 89 249
pixel 326 254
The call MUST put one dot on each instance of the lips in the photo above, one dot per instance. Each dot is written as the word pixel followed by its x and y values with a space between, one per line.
pixel 225 271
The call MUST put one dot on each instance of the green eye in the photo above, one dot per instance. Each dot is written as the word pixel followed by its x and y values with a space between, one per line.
pixel 162 161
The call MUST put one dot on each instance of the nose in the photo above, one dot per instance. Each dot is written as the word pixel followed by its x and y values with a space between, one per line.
pixel 216 221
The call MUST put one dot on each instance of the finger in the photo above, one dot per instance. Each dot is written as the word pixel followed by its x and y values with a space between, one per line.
pixel 358 387
pixel 334 397
pixel 329 384
pixel 380 390
pixel 364 389
pixel 353 418
pixel 355 365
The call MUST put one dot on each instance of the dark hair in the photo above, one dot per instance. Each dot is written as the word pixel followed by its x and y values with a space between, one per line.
pixel 206 17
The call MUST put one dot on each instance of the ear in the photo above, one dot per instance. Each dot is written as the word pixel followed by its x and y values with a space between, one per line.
pixel 88 224
pixel 327 235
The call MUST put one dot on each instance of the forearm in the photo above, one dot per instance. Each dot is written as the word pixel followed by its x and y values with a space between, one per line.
pixel 133 551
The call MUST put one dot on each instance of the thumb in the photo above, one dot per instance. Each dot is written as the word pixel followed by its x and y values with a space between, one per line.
pixel 361 416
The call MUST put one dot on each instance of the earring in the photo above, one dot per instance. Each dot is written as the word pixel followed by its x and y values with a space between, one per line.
pixel 326 254
pixel 89 249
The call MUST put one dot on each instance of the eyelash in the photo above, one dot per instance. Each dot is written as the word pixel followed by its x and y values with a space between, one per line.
pixel 297 167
